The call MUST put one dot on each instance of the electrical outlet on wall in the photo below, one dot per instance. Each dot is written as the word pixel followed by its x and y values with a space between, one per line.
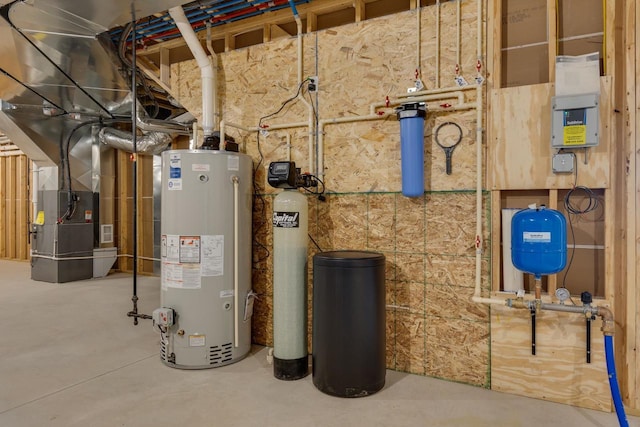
pixel 313 84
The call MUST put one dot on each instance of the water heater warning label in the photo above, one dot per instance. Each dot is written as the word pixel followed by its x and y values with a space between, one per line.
pixel 197 340
pixel 286 219
pixel 536 236
pixel 190 249
pixel 212 255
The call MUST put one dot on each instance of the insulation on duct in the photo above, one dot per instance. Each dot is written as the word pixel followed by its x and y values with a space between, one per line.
pixel 149 143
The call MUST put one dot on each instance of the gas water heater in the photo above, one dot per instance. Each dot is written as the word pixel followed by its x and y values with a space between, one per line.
pixel 206 298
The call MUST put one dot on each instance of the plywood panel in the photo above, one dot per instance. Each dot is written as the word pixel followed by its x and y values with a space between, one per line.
pixel 22 208
pixel 450 219
pixel 125 210
pixel 11 206
pixel 382 222
pixel 457 350
pixel 558 372
pixel 410 342
pixel 519 154
pixel 632 130
pixel 3 204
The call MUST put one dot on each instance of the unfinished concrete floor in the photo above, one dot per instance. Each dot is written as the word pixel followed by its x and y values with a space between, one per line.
pixel 71 357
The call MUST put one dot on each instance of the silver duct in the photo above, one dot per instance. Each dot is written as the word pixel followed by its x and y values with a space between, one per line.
pixel 150 143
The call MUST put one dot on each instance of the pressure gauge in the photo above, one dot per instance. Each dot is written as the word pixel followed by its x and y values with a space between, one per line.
pixel 563 294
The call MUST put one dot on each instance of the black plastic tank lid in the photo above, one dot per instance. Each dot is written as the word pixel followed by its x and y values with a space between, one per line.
pixel 349 258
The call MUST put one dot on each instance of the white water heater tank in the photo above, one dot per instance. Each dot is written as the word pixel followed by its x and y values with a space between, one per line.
pixel 206 257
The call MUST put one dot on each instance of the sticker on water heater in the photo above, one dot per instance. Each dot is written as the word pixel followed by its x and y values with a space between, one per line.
pixel 190 249
pixel 172 250
pixel 174 184
pixel 197 340
pixel 286 219
pixel 191 278
pixel 212 255
pixel 171 276
pixel 233 163
pixel 536 236
pixel 196 167
pixel 175 166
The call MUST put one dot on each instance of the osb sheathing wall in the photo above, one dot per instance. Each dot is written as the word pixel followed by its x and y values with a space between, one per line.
pixel 432 327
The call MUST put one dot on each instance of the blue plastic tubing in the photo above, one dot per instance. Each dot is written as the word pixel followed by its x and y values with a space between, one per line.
pixel 412 149
pixel 613 381
pixel 293 8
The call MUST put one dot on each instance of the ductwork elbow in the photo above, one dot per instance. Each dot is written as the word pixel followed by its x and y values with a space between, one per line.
pixel 150 143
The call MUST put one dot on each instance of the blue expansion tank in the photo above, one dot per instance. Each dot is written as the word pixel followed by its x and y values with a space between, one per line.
pixel 539 241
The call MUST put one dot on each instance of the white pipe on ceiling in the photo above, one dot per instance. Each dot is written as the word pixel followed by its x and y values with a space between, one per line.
pixel 206 67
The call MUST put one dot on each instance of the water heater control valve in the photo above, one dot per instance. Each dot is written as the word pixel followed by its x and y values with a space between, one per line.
pixel 163 316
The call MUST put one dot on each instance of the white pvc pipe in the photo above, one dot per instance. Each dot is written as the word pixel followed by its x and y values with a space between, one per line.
pixel 214 66
pixel 206 68
pixel 419 41
pixel 437 43
pixel 224 124
pixel 434 97
pixel 299 27
pixel 481 300
pixel 439 90
pixel 236 262
pixel 304 101
pixel 458 25
pixel 289 147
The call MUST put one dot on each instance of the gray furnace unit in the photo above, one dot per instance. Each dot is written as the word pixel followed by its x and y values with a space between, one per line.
pixel 62 237
pixel 206 298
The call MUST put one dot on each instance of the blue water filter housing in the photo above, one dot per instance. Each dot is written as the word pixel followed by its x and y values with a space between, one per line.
pixel 411 117
pixel 539 241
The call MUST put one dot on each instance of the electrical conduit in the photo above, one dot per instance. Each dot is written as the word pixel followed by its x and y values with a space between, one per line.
pixel 206 68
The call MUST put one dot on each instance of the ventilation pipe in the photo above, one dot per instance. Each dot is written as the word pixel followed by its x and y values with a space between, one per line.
pixel 206 67
pixel 150 143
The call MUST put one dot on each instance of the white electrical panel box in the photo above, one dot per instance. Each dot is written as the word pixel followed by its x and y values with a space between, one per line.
pixel 562 163
pixel 574 121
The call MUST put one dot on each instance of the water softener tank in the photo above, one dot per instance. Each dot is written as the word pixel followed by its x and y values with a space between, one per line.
pixel 290 224
pixel 539 241
pixel 411 117
pixel 206 258
pixel 349 342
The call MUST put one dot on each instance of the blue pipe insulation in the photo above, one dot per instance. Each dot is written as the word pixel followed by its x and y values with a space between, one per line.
pixel 201 11
pixel 613 381
pixel 293 8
